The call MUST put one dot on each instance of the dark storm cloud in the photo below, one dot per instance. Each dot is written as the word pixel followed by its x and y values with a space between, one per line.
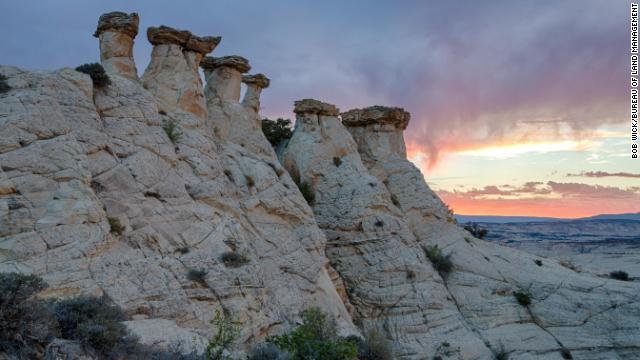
pixel 470 72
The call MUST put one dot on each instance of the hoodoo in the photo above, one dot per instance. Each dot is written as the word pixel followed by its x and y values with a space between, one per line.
pixel 164 197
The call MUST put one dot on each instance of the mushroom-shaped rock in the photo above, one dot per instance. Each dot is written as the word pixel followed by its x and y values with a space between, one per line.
pixel 202 44
pixel 116 31
pixel 223 75
pixel 312 106
pixel 255 84
pixel 119 22
pixel 381 115
pixel 236 62
pixel 172 76
pixel 167 35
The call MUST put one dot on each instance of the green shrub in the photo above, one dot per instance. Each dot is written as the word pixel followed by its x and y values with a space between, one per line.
pixel 316 338
pixel 4 87
pixel 523 298
pixel 538 262
pixel 337 161
pixel 250 181
pixel 374 347
pixel 184 250
pixel 97 73
pixel 172 129
pixel 307 192
pixel 476 230
pixel 94 322
pixel 442 263
pixel 25 323
pixel 276 131
pixel 394 200
pixel 116 227
pixel 267 351
pixel 619 275
pixel 220 344
pixel 233 259
pixel 566 354
pixel 197 275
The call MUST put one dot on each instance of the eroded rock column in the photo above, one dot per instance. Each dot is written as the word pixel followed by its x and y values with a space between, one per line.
pixel 255 84
pixel 172 75
pixel 389 281
pixel 116 31
pixel 222 91
pixel 378 131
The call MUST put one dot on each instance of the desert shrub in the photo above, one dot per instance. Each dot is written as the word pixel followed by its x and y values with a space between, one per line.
pixel 250 181
pixel 374 347
pixel 442 263
pixel 94 322
pixel 379 223
pixel 394 200
pixel 116 227
pixel 337 161
pixel 522 297
pixel 172 129
pixel 307 192
pixel 220 344
pixel 25 323
pixel 276 131
pixel 619 275
pixel 4 87
pixel 97 73
pixel 502 355
pixel 476 230
pixel 538 262
pixel 184 250
pixel 197 275
pixel 267 351
pixel 233 259
pixel 569 265
pixel 566 354
pixel 315 339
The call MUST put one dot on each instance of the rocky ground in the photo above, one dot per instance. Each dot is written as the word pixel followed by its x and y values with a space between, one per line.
pixel 124 189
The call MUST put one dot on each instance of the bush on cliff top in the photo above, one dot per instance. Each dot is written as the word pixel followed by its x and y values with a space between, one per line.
pixel 276 131
pixel 4 87
pixel 476 230
pixel 97 73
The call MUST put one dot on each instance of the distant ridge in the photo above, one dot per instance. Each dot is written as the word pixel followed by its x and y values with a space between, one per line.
pixel 520 219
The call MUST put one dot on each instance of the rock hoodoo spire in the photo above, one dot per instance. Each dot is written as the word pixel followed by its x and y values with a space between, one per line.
pixel 116 31
pixel 224 75
pixel 172 75
pixel 255 84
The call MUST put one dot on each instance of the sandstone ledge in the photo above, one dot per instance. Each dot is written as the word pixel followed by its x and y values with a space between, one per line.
pixel 120 22
pixel 259 80
pixel 377 115
pixel 312 106
pixel 234 61
pixel 168 35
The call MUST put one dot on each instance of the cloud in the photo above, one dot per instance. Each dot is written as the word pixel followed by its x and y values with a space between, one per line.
pixel 559 199
pixel 601 174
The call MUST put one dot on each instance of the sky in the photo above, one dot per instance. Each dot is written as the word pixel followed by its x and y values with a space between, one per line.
pixel 518 107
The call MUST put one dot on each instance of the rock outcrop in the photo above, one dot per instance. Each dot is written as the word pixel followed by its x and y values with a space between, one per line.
pixel 172 76
pixel 116 31
pixel 164 195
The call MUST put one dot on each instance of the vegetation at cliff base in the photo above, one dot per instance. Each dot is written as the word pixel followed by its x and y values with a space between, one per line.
pixel 276 130
pixel 307 192
pixel 97 73
pixel 316 338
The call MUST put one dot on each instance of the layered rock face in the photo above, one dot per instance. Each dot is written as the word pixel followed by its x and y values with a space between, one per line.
pixel 116 31
pixel 126 190
pixel 97 199
pixel 591 317
pixel 389 281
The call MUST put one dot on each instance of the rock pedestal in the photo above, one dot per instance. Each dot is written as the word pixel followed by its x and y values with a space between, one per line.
pixel 255 84
pixel 116 31
pixel 172 75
